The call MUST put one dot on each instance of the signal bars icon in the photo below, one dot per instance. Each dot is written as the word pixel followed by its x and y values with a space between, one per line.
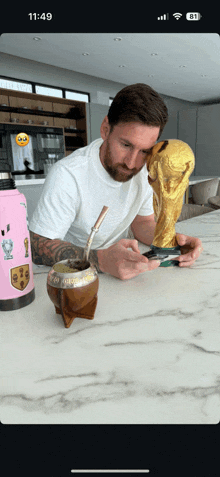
pixel 164 17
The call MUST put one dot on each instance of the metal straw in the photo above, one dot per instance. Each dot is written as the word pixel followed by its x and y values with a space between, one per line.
pixel 95 229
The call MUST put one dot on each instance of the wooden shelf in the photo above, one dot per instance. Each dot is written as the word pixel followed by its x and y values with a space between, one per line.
pixel 39 112
pixel 40 127
pixel 63 113
pixel 71 131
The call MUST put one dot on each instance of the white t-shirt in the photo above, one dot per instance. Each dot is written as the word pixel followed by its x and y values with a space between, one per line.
pixel 74 192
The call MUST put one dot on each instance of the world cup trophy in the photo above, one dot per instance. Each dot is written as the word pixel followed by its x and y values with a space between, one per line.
pixel 169 166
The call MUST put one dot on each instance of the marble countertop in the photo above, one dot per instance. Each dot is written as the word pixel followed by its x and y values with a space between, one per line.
pixel 40 179
pixel 31 179
pixel 150 356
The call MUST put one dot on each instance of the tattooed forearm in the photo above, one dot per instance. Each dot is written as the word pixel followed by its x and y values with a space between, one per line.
pixel 46 251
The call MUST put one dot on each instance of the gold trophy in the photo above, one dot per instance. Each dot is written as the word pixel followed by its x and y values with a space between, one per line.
pixel 169 166
pixel 26 247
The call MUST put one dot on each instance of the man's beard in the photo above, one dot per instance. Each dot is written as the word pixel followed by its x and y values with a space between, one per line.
pixel 119 172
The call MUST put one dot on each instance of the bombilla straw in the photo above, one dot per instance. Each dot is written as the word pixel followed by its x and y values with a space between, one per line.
pixel 94 229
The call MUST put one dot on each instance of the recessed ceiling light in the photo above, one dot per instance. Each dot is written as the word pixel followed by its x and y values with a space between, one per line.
pixel 85 54
pixel 122 66
pixel 203 76
pixel 150 76
pixel 154 54
pixel 37 38
pixel 118 38
pixel 182 66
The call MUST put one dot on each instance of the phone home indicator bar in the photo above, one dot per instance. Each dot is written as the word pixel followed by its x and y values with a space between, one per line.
pixel 111 470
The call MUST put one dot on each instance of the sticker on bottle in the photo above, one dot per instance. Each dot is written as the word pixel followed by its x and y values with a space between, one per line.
pixel 7 246
pixel 20 276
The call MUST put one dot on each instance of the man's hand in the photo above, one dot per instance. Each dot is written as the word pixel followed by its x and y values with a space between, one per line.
pixel 191 247
pixel 123 263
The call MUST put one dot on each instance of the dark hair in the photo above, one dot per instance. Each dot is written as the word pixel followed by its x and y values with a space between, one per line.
pixel 138 102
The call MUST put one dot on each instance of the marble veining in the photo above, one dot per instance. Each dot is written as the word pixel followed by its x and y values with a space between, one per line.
pixel 151 355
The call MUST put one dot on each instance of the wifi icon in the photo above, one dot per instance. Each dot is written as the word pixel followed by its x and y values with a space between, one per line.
pixel 177 16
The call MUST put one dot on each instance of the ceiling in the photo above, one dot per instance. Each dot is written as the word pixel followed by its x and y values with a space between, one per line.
pixel 185 66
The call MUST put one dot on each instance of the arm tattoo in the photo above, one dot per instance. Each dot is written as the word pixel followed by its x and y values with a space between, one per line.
pixel 47 251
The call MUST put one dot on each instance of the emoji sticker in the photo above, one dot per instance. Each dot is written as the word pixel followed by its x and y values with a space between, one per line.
pixel 22 139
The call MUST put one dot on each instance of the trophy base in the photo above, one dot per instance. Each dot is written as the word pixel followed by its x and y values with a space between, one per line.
pixel 165 255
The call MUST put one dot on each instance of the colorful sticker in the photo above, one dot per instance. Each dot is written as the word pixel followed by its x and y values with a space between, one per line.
pixel 22 139
pixel 3 232
pixel 20 276
pixel 7 246
pixel 26 247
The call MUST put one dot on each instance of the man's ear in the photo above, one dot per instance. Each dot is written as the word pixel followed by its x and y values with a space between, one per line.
pixel 105 128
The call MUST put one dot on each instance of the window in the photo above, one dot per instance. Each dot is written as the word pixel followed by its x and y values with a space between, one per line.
pixel 15 85
pixel 110 101
pixel 77 96
pixel 49 91
pixel 27 87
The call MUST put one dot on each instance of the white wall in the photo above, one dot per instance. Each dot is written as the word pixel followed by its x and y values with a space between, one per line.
pixel 99 89
pixel 28 70
pixel 183 115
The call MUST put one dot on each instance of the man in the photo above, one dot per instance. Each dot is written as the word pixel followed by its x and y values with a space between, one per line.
pixel 111 171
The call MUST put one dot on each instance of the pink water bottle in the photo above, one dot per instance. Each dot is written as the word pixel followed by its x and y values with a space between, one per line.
pixel 16 271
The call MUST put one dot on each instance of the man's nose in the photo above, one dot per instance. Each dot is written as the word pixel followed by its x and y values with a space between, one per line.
pixel 131 159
